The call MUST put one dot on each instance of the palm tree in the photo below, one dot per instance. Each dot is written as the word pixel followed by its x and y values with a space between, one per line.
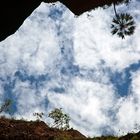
pixel 122 24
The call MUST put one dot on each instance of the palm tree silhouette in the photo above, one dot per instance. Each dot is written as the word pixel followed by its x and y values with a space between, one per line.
pixel 122 24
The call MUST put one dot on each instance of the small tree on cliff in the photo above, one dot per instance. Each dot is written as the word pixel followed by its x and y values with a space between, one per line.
pixel 61 120
pixel 38 115
pixel 6 105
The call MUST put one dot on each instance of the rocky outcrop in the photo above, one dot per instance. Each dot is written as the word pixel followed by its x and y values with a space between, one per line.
pixel 14 12
pixel 11 129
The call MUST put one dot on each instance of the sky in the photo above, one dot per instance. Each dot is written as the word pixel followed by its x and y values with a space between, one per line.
pixel 59 60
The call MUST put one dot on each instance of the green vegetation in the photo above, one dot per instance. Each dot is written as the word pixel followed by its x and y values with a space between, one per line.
pixel 6 106
pixel 59 131
pixel 61 120
pixel 122 24
pixel 38 116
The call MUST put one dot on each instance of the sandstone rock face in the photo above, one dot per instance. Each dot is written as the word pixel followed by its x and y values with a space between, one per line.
pixel 14 12
pixel 11 129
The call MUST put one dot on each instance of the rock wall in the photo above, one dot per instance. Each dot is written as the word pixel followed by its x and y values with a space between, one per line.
pixel 14 12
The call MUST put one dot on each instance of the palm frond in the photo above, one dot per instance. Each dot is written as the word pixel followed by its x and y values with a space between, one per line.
pixel 122 25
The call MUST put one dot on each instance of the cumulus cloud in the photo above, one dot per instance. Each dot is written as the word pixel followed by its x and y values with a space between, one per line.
pixel 58 60
pixel 87 103
pixel 116 53
pixel 128 113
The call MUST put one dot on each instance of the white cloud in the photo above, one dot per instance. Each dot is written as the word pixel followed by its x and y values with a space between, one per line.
pixel 29 100
pixel 93 42
pixel 88 104
pixel 44 46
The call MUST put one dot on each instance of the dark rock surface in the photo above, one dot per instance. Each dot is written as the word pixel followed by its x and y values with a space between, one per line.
pixel 11 129
pixel 80 6
pixel 14 12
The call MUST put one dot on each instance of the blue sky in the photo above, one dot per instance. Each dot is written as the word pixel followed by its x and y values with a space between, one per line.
pixel 122 80
pixel 58 60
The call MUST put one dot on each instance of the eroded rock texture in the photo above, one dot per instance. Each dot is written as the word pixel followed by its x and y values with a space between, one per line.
pixel 14 12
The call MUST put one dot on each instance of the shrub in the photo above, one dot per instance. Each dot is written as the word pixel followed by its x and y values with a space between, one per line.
pixel 39 116
pixel 61 120
pixel 6 105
